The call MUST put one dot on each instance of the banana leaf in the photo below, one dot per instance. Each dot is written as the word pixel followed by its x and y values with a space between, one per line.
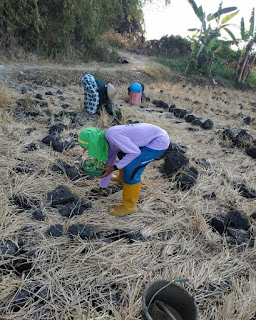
pixel 229 17
pixel 231 35
pixel 211 44
pixel 242 29
pixel 195 8
pixel 194 29
pixel 218 50
pixel 218 18
pixel 193 46
pixel 200 50
pixel 251 31
pixel 220 12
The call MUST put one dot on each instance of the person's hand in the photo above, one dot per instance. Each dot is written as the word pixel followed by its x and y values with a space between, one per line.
pixel 107 170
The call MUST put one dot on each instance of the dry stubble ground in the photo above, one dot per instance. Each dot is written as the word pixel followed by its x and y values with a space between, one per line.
pixel 95 279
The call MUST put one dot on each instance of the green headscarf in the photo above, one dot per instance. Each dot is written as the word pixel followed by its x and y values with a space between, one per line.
pixel 95 142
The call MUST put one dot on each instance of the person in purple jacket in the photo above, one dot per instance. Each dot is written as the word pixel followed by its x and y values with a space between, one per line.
pixel 139 143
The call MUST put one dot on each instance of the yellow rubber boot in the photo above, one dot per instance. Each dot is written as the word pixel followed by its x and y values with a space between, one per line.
pixel 119 177
pixel 131 194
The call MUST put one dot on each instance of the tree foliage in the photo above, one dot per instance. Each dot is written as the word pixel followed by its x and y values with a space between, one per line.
pixel 53 26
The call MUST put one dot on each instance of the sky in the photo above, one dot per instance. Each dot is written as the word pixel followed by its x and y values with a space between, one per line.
pixel 178 17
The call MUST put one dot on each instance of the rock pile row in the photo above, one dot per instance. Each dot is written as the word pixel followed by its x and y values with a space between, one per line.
pixel 183 114
pixel 241 139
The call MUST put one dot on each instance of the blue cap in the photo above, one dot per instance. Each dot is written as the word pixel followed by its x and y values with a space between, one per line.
pixel 136 87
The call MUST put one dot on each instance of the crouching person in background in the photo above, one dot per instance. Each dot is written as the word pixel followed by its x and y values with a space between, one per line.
pixel 135 92
pixel 140 144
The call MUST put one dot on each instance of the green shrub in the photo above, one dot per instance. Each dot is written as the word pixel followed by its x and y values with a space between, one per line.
pixel 175 64
pixel 222 71
pixel 169 47
pixel 251 80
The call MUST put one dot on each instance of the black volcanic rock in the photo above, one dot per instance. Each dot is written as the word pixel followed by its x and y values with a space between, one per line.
pixel 237 220
pixel 55 230
pixel 247 120
pixel 197 122
pixel 238 236
pixel 179 113
pixel 190 118
pixel 172 107
pixel 251 152
pixel 8 249
pixel 160 104
pixel 57 128
pixel 50 138
pixel 187 179
pixel 210 196
pixel 63 167
pixel 208 124
pixel 39 96
pixel 218 223
pixel 74 208
pixel 174 161
pixel 61 195
pixel 246 192
pixel 81 230
pixel 242 139
pixel 38 215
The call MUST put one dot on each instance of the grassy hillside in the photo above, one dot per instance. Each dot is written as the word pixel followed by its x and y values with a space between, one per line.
pixel 173 233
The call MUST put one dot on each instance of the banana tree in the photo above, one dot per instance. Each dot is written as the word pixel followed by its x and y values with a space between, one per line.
pixel 205 42
pixel 248 57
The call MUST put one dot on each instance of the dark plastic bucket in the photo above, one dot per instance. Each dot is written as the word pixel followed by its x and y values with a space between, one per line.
pixel 173 295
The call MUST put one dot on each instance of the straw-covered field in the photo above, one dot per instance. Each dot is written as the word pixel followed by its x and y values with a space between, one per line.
pixel 173 233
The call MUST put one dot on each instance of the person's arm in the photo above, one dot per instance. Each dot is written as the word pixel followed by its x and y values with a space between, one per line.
pixel 105 178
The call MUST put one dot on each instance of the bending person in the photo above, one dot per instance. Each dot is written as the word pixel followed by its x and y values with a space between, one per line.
pixel 96 93
pixel 140 143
